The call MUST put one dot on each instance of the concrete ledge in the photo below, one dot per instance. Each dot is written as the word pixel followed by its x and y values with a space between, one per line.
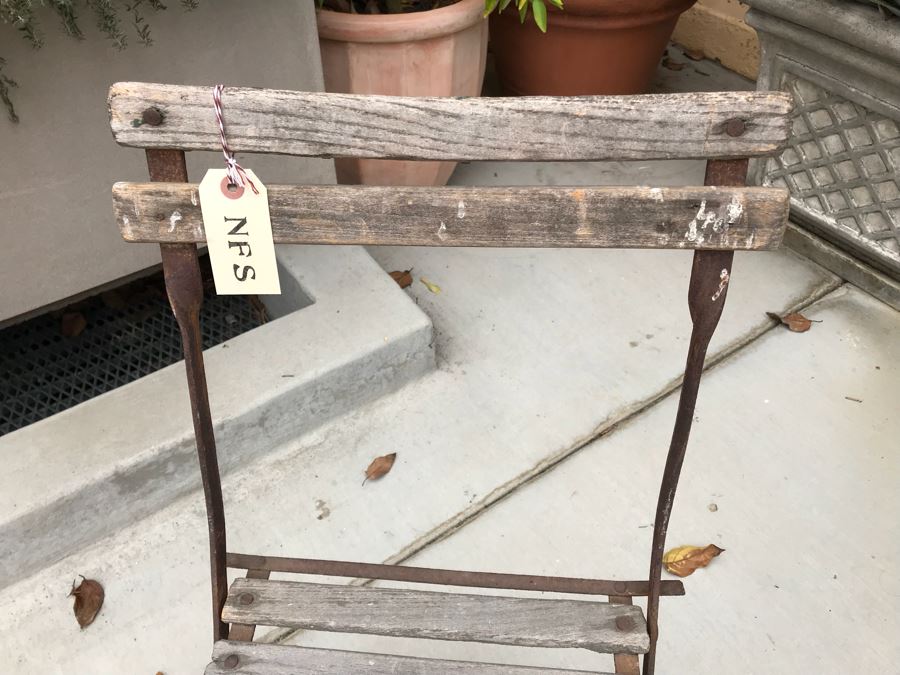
pixel 88 471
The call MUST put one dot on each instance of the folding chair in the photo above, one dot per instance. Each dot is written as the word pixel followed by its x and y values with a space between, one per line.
pixel 714 220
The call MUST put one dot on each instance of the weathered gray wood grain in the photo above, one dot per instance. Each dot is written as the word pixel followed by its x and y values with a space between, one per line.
pixel 269 659
pixel 535 622
pixel 620 217
pixel 656 126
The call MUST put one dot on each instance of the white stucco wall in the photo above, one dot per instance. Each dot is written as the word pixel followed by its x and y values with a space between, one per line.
pixel 58 163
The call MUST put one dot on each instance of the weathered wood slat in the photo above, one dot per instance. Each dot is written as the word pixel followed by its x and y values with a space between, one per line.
pixel 620 217
pixel 656 126
pixel 535 622
pixel 269 659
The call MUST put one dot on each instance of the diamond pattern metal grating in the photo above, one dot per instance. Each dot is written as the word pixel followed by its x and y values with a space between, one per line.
pixel 842 167
pixel 42 372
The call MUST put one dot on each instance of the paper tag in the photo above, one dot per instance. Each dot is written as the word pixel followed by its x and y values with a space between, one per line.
pixel 238 236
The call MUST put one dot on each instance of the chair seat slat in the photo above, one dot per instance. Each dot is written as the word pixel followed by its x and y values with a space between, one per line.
pixel 653 126
pixel 248 658
pixel 539 217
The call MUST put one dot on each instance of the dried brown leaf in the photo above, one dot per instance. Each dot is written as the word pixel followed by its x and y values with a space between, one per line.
pixel 672 64
pixel 794 321
pixel 684 560
pixel 695 54
pixel 89 596
pixel 259 309
pixel 72 324
pixel 403 279
pixel 380 466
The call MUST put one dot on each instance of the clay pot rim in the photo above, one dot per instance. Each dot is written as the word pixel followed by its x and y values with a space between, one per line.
pixel 605 15
pixel 414 26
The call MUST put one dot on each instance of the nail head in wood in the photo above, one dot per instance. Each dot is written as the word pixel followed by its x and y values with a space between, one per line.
pixel 247 598
pixel 735 127
pixel 625 623
pixel 152 116
pixel 231 662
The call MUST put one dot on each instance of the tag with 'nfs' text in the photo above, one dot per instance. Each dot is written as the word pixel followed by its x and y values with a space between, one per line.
pixel 238 235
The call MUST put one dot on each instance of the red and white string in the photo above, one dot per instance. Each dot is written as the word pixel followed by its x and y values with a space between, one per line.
pixel 236 173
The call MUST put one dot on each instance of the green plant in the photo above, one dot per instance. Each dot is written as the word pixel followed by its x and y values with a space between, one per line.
pixel 107 15
pixel 538 7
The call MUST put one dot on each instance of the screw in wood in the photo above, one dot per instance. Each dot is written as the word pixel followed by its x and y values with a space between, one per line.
pixel 231 662
pixel 246 598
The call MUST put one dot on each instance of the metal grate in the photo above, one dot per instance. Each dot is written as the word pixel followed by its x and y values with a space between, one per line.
pixel 842 167
pixel 128 333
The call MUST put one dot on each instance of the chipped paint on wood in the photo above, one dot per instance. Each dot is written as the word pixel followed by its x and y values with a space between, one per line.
pixel 173 220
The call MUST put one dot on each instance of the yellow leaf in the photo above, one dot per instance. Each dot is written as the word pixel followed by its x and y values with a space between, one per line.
pixel 683 560
pixel 434 288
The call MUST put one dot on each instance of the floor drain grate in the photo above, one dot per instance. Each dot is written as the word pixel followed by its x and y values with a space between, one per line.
pixel 58 360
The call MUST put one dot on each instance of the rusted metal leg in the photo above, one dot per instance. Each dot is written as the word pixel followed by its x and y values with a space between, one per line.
pixel 710 275
pixel 185 289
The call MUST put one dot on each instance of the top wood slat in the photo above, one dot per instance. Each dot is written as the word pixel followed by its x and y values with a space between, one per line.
pixel 659 126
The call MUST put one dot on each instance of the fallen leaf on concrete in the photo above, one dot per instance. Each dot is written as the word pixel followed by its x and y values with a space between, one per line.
pixel 795 321
pixel 403 279
pixel 682 561
pixel 72 324
pixel 89 596
pixel 695 54
pixel 434 288
pixel 672 64
pixel 380 466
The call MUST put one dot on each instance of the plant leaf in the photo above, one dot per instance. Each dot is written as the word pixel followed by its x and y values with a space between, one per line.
pixel 489 6
pixel 89 596
pixel 540 14
pixel 403 279
pixel 794 321
pixel 503 5
pixel 380 466
pixel 684 560
pixel 434 288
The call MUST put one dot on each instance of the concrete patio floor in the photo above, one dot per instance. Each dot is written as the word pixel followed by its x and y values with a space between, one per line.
pixel 536 446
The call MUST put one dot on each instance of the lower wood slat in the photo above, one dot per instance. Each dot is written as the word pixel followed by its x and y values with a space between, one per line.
pixel 529 622
pixel 253 658
pixel 705 217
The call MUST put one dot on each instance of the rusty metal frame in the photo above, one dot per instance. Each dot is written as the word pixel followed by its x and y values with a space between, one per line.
pixel 708 289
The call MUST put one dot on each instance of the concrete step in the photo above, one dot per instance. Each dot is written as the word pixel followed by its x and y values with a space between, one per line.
pixel 345 334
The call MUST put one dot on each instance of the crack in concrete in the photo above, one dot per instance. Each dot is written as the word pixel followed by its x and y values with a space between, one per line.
pixel 611 424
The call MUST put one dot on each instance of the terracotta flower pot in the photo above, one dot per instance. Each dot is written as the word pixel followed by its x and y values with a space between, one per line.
pixel 440 52
pixel 592 47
